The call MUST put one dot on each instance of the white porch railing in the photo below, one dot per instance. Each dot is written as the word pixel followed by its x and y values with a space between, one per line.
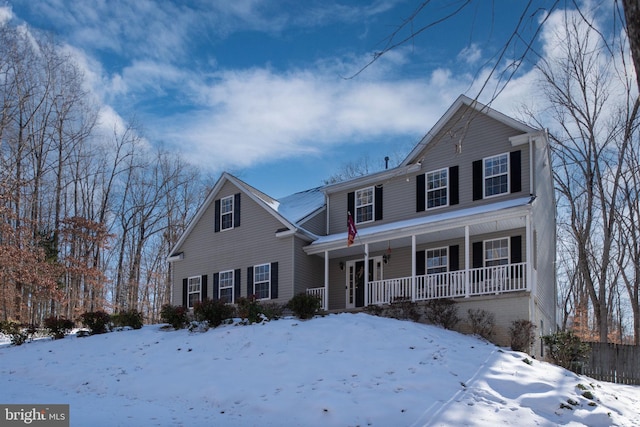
pixel 481 281
pixel 318 293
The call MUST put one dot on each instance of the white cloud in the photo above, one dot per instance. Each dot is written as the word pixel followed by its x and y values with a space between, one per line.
pixel 5 14
pixel 470 54
pixel 256 115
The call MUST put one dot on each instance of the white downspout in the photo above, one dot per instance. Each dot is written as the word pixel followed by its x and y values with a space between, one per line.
pixel 531 174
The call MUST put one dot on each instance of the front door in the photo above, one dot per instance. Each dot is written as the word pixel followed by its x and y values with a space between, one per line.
pixel 355 280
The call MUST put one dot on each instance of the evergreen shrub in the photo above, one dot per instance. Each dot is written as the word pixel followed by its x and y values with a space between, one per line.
pixel 566 348
pixel 175 315
pixel 58 326
pixel 98 322
pixel 215 312
pixel 304 306
pixel 132 318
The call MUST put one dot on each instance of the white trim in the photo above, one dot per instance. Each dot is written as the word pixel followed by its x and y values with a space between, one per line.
pixel 372 204
pixel 189 292
pixel 233 284
pixel 502 210
pixel 484 177
pixel 462 100
pixel 176 257
pixel 262 281
pixel 446 187
pixel 426 259
pixel 232 212
pixel 499 239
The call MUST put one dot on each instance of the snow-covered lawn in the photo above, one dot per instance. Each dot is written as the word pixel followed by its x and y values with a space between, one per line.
pixel 338 370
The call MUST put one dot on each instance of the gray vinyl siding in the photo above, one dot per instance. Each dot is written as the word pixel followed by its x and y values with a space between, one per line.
pixel 309 270
pixel 252 243
pixel 481 137
pixel 544 225
pixel 317 224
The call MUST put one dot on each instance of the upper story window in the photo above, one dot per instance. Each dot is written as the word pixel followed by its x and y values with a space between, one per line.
pixel 496 252
pixel 226 213
pixel 364 205
pixel 226 283
pixel 194 288
pixel 262 281
pixel 496 175
pixel 437 260
pixel 437 185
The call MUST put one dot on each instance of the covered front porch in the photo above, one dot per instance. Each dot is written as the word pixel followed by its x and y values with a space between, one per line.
pixel 387 262
pixel 456 284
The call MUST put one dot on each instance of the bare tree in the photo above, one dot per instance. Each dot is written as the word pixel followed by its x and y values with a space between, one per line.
pixel 592 107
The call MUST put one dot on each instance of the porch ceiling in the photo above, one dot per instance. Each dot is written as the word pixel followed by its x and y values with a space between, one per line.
pixel 492 218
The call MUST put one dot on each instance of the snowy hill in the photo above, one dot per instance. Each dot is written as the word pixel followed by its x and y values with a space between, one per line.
pixel 338 370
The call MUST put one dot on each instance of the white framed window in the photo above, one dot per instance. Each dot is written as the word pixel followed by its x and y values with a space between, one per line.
pixel 262 281
pixel 226 213
pixel 496 175
pixel 437 260
pixel 364 205
pixel 226 286
pixel 437 188
pixel 496 252
pixel 194 289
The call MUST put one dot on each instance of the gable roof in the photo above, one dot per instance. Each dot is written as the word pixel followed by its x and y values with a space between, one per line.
pixel 462 102
pixel 290 210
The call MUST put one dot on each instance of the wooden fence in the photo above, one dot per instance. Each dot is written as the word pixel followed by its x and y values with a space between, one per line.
pixel 616 363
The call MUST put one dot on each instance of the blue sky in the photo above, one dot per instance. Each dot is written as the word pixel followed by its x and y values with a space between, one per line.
pixel 259 88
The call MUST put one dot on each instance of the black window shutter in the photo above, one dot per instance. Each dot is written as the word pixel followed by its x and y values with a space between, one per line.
pixel 477 179
pixel 516 249
pixel 378 201
pixel 236 284
pixel 454 198
pixel 203 288
pixel 249 281
pixel 274 280
pixel 216 221
pixel 236 210
pixel 516 171
pixel 185 290
pixel 454 258
pixel 351 204
pixel 421 263
pixel 216 286
pixel 478 258
pixel 421 192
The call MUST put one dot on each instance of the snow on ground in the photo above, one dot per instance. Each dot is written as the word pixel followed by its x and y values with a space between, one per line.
pixel 338 370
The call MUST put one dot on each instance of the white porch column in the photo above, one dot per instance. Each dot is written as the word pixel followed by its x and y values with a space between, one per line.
pixel 531 285
pixel 467 255
pixel 325 300
pixel 366 274
pixel 413 267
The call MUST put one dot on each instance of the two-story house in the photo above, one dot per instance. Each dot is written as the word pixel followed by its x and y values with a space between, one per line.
pixel 468 215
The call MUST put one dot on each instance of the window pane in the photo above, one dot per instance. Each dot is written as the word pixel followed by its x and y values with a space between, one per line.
pixel 262 281
pixel 437 188
pixel 496 175
pixel 226 213
pixel 437 261
pixel 496 252
pixel 364 205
